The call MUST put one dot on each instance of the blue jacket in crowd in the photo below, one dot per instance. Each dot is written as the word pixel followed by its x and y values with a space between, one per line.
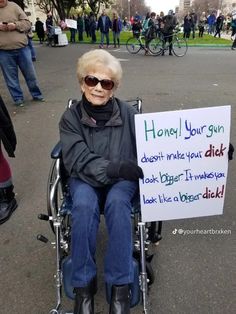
pixel 104 27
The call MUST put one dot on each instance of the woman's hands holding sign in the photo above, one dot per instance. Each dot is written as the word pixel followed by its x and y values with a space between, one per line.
pixel 127 170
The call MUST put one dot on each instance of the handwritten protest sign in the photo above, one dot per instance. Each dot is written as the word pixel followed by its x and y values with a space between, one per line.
pixel 184 157
pixel 71 23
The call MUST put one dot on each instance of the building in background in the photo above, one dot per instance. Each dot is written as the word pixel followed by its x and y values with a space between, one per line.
pixel 184 5
pixel 223 5
pixel 33 11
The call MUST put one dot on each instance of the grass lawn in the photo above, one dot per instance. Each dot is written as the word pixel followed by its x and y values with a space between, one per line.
pixel 206 40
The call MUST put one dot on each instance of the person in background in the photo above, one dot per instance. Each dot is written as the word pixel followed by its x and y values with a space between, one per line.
pixel 49 28
pixel 193 23
pixel 136 28
pixel 15 53
pixel 80 27
pixel 187 26
pixel 8 138
pixel 159 21
pixel 201 24
pixel 92 27
pixel 104 24
pixel 86 25
pixel 227 23
pixel 116 28
pixel 169 26
pixel 151 31
pixel 145 23
pixel 233 25
pixel 72 30
pixel 219 25
pixel 99 153
pixel 125 23
pixel 39 28
pixel 211 19
pixel 131 21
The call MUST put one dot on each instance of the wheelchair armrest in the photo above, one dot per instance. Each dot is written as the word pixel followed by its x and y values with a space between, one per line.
pixel 57 151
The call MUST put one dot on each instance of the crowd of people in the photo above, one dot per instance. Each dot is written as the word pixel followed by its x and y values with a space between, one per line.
pixel 214 24
pixel 192 24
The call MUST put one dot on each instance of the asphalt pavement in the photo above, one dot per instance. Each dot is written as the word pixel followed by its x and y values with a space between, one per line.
pixel 194 273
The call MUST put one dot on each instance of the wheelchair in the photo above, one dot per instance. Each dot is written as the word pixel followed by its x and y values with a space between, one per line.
pixel 59 204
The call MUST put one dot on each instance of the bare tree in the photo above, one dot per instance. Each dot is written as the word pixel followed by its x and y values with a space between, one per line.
pixel 206 6
pixel 136 6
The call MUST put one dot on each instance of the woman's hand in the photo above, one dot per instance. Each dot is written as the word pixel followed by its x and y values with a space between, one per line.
pixel 127 170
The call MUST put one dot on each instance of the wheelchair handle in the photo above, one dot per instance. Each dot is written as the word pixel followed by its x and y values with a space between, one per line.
pixel 43 217
pixel 42 238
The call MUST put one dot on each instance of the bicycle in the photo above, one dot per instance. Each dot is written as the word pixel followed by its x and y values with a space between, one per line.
pixel 159 45
pixel 135 43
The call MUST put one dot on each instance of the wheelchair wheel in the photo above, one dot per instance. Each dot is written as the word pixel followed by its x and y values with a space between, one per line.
pixel 133 45
pixel 58 195
pixel 179 47
pixel 155 46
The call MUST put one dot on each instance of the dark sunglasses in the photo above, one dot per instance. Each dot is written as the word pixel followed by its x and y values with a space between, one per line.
pixel 92 81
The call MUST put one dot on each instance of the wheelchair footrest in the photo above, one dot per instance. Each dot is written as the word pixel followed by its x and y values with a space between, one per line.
pixel 134 287
pixel 68 289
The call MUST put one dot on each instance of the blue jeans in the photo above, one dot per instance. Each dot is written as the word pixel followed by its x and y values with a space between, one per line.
pixel 116 38
pixel 117 200
pixel 31 47
pixel 102 38
pixel 10 60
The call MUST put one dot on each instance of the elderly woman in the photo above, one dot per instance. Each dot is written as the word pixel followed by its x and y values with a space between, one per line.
pixel 99 153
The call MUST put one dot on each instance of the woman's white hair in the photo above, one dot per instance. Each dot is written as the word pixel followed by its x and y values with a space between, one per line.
pixel 98 57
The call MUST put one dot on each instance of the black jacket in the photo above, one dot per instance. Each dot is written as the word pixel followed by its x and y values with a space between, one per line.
pixel 88 149
pixel 7 133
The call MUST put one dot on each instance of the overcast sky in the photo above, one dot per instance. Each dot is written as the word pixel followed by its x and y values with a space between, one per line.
pixel 162 5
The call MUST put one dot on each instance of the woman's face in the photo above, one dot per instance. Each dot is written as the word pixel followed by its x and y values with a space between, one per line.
pixel 97 95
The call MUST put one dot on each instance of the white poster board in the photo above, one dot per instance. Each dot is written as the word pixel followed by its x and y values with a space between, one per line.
pixel 71 23
pixel 184 157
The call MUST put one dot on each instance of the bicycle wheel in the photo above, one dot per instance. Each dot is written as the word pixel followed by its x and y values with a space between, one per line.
pixel 133 45
pixel 179 47
pixel 155 46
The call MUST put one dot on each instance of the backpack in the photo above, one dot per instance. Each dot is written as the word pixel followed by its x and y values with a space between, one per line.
pixel 145 25
pixel 151 31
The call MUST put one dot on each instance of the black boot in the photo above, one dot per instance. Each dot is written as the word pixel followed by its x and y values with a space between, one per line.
pixel 84 298
pixel 7 203
pixel 120 300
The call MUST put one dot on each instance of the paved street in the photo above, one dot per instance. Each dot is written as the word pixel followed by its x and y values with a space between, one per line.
pixel 194 273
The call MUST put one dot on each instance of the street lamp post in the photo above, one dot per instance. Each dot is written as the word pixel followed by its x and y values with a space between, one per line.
pixel 221 5
pixel 129 10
